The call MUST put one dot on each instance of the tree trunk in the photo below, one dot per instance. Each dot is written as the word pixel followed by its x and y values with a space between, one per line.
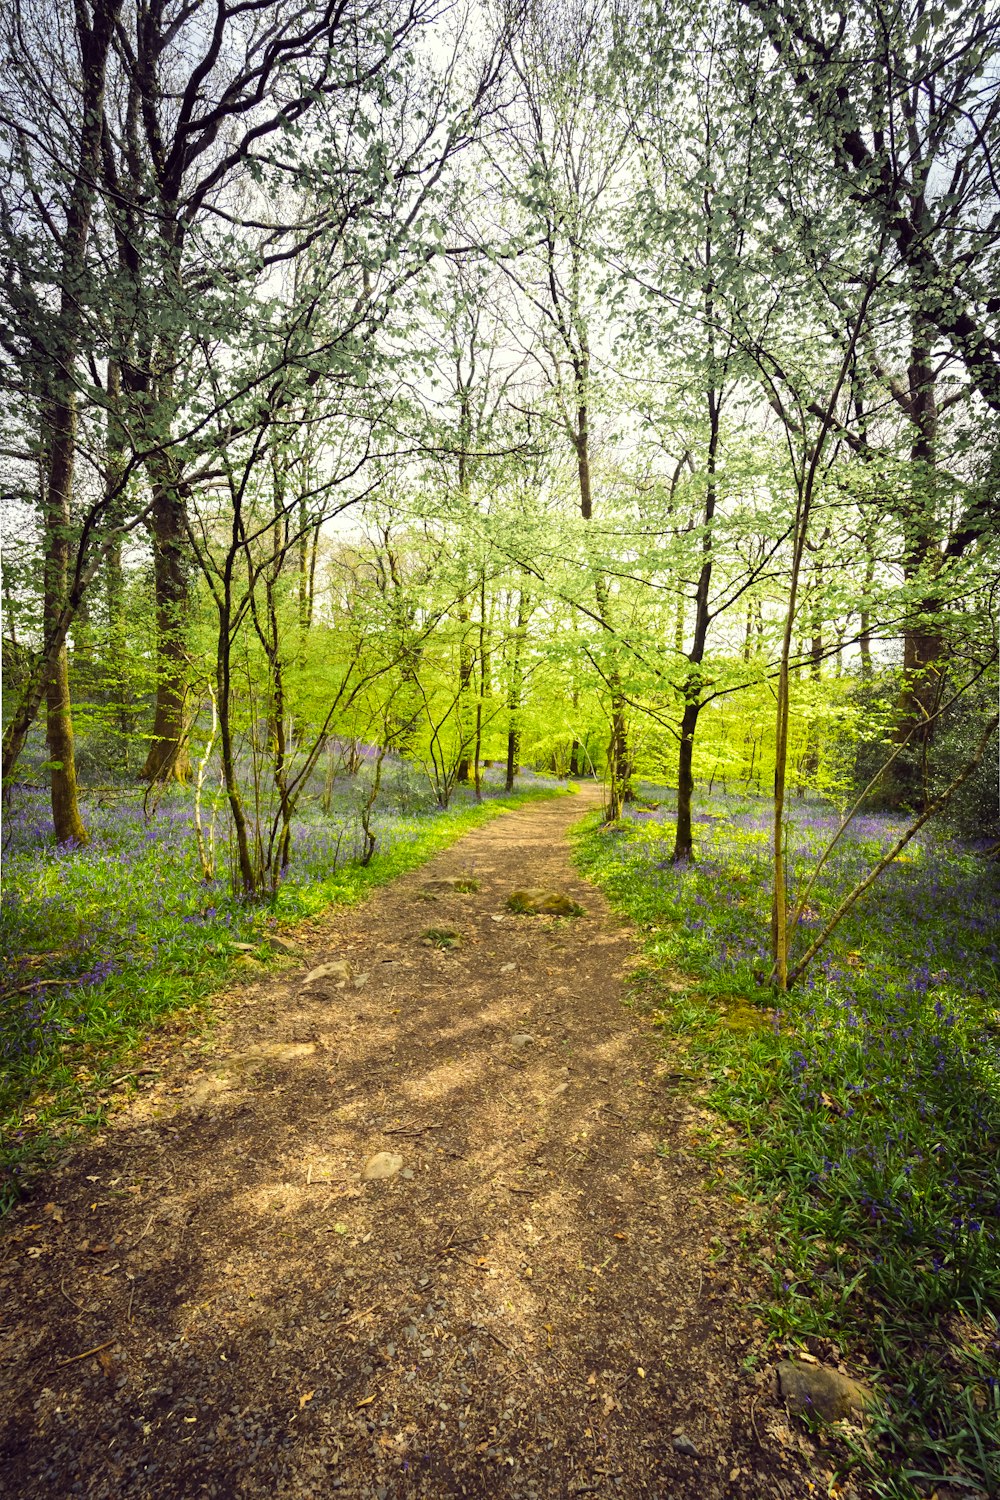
pixel 803 508
pixel 619 761
pixel 923 645
pixel 683 839
pixel 66 817
pixel 59 414
pixel 466 661
pixel 514 695
pixel 484 684
pixel 223 677
pixel 168 757
pixel 693 688
pixel 513 747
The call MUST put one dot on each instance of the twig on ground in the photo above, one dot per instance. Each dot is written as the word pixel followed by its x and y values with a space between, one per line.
pixel 133 1073
pixel 149 1225
pixel 86 1353
pixel 69 1299
pixel 36 984
pixel 496 1337
pixel 355 1316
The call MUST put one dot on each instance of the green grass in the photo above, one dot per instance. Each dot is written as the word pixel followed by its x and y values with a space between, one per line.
pixel 108 944
pixel 864 1114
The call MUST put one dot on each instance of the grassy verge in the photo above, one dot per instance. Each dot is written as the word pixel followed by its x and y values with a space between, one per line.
pixel 865 1113
pixel 105 944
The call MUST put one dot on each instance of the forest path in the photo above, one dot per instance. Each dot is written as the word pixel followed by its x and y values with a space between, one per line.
pixel 529 1308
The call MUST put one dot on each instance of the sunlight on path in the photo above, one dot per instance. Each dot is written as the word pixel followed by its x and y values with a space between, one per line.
pixel 524 1300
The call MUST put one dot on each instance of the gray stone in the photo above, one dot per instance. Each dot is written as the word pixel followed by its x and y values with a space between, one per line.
pixel 264 1052
pixel 684 1446
pixel 817 1390
pixel 335 973
pixel 227 1071
pixel 533 902
pixel 382 1164
pixel 281 945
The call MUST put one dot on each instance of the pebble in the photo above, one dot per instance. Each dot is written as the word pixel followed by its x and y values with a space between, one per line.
pixel 382 1164
pixel 684 1446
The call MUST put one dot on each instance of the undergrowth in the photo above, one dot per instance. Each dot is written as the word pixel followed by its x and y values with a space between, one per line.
pixel 865 1111
pixel 103 944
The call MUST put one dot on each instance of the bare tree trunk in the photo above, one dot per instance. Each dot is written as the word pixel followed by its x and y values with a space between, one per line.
pixel 244 858
pixel 513 748
pixel 66 817
pixel 484 678
pixel 619 762
pixel 466 662
pixel 865 634
pixel 94 34
pixel 809 765
pixel 516 687
pixel 683 836
pixel 923 646
pixel 803 508
pixel 619 759
pixel 168 757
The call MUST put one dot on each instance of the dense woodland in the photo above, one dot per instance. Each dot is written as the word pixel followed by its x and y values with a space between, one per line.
pixel 405 402
pixel 610 390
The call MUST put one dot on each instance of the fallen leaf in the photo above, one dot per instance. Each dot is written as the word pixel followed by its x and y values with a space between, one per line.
pixel 366 1402
pixel 305 1399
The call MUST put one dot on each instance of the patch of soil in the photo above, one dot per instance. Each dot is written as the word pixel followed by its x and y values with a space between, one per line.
pixel 209 1300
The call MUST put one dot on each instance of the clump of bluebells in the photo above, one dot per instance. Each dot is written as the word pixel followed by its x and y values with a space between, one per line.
pixel 868 1106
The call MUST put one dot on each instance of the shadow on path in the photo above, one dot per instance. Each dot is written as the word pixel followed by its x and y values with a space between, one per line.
pixel 530 1307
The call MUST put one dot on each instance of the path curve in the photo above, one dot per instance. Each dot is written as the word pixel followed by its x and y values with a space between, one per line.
pixel 531 1308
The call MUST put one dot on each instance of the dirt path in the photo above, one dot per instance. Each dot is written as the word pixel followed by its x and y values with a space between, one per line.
pixel 532 1307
